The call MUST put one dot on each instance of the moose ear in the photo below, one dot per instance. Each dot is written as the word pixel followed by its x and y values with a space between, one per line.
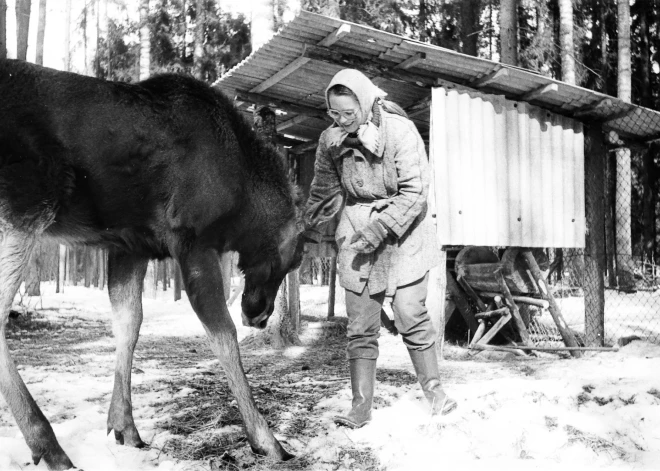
pixel 324 210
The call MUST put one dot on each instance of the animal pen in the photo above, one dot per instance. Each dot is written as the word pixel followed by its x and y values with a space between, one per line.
pixel 535 182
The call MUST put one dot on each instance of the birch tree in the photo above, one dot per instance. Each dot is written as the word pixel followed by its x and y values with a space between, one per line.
pixel 198 51
pixel 566 41
pixel 41 30
pixel 23 8
pixel 3 29
pixel 145 40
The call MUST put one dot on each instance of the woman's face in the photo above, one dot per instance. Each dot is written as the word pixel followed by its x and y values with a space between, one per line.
pixel 345 110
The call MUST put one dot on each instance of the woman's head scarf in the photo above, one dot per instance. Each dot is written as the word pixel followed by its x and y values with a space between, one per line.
pixel 366 93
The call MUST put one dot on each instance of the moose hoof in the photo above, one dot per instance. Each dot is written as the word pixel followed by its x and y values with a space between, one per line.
pixel 56 461
pixel 279 453
pixel 129 437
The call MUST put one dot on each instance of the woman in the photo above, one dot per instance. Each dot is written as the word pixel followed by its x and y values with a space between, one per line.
pixel 371 165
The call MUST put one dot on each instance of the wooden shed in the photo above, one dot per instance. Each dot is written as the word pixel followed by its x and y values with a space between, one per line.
pixel 517 157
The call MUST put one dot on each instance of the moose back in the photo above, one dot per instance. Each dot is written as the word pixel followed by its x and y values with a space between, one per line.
pixel 164 167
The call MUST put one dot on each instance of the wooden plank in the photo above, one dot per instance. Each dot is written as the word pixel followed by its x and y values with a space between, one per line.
pixel 291 122
pixel 492 332
pixel 411 61
pixel 286 71
pixel 540 91
pixel 283 105
pixel 492 313
pixel 335 36
pixel 494 76
pixel 587 109
pixel 479 333
pixel 542 303
pixel 475 297
pixel 522 329
pixel 555 312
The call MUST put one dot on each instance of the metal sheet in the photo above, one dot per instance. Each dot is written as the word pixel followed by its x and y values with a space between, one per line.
pixel 505 173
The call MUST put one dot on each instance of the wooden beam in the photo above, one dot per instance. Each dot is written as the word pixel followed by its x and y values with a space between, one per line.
pixel 591 108
pixel 419 107
pixel 544 90
pixel 291 122
pixel 304 147
pixel 283 105
pixel 412 61
pixel 487 79
pixel 279 76
pixel 368 65
pixel 335 36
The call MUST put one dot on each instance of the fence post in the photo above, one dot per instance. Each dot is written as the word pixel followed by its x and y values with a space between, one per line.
pixel 595 159
pixel 332 287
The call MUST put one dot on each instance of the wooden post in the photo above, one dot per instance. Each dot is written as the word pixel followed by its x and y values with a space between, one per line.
pixel 61 265
pixel 555 312
pixel 74 267
pixel 517 319
pixel 294 298
pixel 332 286
pixel 177 281
pixel 595 158
pixel 103 263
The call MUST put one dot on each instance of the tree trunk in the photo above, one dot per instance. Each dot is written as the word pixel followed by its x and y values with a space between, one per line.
pixel 145 40
pixel 61 268
pixel 198 52
pixel 623 217
pixel 470 12
pixel 566 41
pixel 184 31
pixel 67 36
pixel 422 18
pixel 509 32
pixel 102 268
pixel 33 273
pixel 648 174
pixel 41 30
pixel 263 22
pixel 23 8
pixel 3 29
pixel 177 281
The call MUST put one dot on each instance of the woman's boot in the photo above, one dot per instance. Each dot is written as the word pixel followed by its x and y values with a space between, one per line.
pixel 426 367
pixel 363 379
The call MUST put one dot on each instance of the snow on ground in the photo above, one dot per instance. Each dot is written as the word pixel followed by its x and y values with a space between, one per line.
pixel 598 412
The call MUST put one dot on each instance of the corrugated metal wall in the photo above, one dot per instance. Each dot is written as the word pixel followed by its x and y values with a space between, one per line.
pixel 506 173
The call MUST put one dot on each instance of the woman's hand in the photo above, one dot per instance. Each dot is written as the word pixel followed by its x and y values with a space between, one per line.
pixel 368 239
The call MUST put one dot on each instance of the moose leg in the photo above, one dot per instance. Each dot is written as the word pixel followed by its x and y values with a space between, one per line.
pixel 15 250
pixel 125 276
pixel 203 281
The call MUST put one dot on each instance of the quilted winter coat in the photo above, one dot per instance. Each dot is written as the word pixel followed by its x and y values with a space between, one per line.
pixel 390 185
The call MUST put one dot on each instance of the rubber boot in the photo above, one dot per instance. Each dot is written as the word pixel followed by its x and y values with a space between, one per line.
pixel 363 379
pixel 426 367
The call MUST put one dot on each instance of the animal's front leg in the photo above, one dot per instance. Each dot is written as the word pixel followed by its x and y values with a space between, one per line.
pixel 203 281
pixel 15 249
pixel 125 276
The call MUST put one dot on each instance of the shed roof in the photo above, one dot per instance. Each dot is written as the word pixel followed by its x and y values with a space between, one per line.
pixel 292 70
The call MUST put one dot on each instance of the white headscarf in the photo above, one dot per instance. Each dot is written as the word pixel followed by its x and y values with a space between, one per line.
pixel 366 93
